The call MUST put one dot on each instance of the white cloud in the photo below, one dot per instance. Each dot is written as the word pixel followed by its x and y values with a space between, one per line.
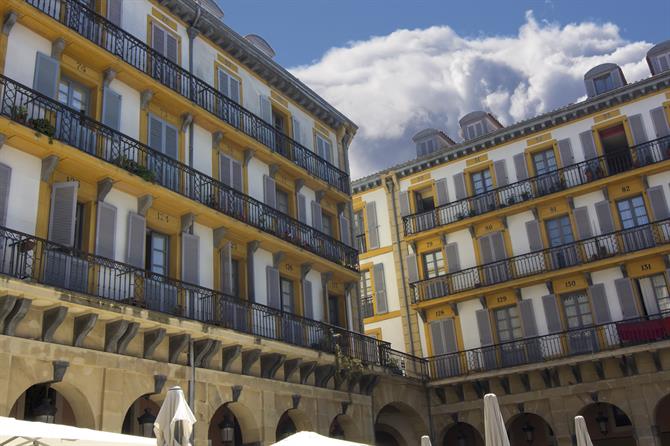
pixel 393 86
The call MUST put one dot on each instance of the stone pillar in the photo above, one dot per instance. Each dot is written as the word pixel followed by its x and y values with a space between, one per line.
pixel 563 418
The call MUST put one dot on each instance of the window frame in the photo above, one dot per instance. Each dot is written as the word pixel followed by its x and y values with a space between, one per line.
pixel 605 78
pixel 424 263
pixel 472 176
pixel 149 251
pixel 318 136
pixel 154 22
pixel 231 76
pixel 363 282
pixel 512 329
pixel 632 208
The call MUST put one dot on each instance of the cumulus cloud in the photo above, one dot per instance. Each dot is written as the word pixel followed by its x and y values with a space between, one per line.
pixel 395 85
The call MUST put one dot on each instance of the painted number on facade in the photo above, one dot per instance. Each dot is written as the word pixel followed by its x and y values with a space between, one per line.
pixel 289 267
pixel 72 179
pixel 81 68
pixel 553 209
pixel 439 313
pixel 570 283
pixel 162 217
pixel 646 267
pixel 501 299
pixel 429 244
pixel 625 188
pixel 488 227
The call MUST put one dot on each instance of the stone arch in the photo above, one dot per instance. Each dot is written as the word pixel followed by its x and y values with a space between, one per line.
pixel 463 432
pixel 402 421
pixel 608 424
pixel 662 420
pixel 346 424
pixel 143 407
pixel 251 433
pixel 290 422
pixel 530 428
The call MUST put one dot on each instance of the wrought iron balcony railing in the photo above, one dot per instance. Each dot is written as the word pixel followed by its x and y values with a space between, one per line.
pixel 367 307
pixel 586 340
pixel 552 259
pixel 27 257
pixel 49 117
pixel 97 29
pixel 650 152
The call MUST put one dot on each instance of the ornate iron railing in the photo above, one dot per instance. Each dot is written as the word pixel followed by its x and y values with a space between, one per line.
pixel 551 259
pixel 97 29
pixel 650 152
pixel 49 117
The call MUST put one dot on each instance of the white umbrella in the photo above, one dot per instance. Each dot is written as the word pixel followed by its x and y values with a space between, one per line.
pixel 174 422
pixel 581 432
pixel 425 441
pixel 19 432
pixel 496 435
pixel 306 438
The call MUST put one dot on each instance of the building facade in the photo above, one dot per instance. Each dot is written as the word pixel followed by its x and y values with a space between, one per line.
pixel 532 261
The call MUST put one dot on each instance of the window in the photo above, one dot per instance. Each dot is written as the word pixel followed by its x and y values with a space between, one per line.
pixel 603 83
pixel 229 85
pixel 327 224
pixel 334 311
pixel 577 310
pixel 655 289
pixel 663 61
pixel 157 255
pixel 74 95
pixel 278 121
pixel 283 201
pixel 424 200
pixel 481 181
pixel 165 43
pixel 544 161
pixel 433 264
pixel 426 147
pixel 359 231
pixel 79 227
pixel 632 212
pixel 559 231
pixel 474 130
pixel 324 148
pixel 366 293
pixel 286 295
pixel 508 324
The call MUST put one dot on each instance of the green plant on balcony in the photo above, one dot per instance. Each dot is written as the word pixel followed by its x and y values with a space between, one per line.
pixel 393 365
pixel 136 168
pixel 19 113
pixel 43 126
pixel 348 369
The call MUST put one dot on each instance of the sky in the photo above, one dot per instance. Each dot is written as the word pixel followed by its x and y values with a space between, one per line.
pixel 396 67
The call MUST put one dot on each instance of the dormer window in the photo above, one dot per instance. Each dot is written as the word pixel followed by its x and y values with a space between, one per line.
pixel 603 78
pixel 477 124
pixel 658 58
pixel 603 83
pixel 431 140
pixel 426 147
pixel 474 130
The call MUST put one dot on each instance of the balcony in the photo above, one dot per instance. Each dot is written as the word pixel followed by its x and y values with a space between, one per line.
pixel 566 344
pixel 97 29
pixel 645 154
pixel 552 259
pixel 28 107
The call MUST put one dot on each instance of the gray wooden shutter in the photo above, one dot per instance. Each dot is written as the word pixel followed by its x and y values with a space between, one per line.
pixel 550 306
pixel 453 258
pixel 588 145
pixel 659 205
pixel 624 289
pixel 317 216
pixel 105 231
pixel 437 338
pixel 171 141
pixel 63 213
pixel 604 213
pixel 190 258
pixel 660 122
pixel 484 327
pixel 47 71
pixel 158 39
pixel 224 169
pixel 498 246
pixel 459 186
pixel 528 318
pixel 302 208
pixel 534 236
pixel 500 168
pixel 345 230
pixel 601 308
pixel 380 289
pixel 227 268
pixel 449 331
pixel 155 133
pixel 583 222
pixel 273 287
pixel 307 299
pixel 649 298
pixel 520 166
pixel 115 11
pixel 223 83
pixel 237 175
pixel 442 192
pixel 565 150
pixel 269 191
pixel 486 249
pixel 637 129
pixel 373 226
pixel 5 182
pixel 412 269
pixel 171 48
pixel 137 230
pixel 111 108
pixel 590 88
pixel 266 109
pixel 297 134
pixel 404 203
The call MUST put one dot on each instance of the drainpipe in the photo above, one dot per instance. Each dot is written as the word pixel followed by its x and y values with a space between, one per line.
pixel 390 185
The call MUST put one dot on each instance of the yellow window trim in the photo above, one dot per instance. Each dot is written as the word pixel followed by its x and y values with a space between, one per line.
pixel 374 332
pixel 645 267
pixel 620 120
pixel 531 151
pixel 219 66
pixel 168 29
pixel 154 109
pixel 382 317
pixel 375 252
pixel 469 171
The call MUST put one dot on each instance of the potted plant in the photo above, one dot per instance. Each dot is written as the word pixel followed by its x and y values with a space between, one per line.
pixel 348 368
pixel 42 126
pixel 19 113
pixel 525 195
pixel 510 200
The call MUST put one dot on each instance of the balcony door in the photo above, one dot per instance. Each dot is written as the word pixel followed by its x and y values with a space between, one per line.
pixel 579 321
pixel 634 219
pixel 654 292
pixel 78 97
pixel 545 163
pixel 424 203
pixel 559 233
pixel 359 231
pixel 615 148
pixel 159 294
pixel 481 183
pixel 508 329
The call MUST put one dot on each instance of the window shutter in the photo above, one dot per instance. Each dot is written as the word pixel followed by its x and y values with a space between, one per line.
pixel 500 169
pixel 534 236
pixel 345 230
pixel 155 133
pixel 172 48
pixel 105 231
pixel 295 125
pixel 404 203
pixel 115 11
pixel 498 246
pixel 528 318
pixel 227 268
pixel 565 151
pixel 269 191
pixel 453 258
pixel 550 305
pixel 449 331
pixel 190 258
pixel 234 92
pixel 237 175
pixel 590 88
pixel 486 249
pixel 583 222
pixel 171 141
pixel 223 83
pixel 442 193
pixel 520 166
pixel 47 70
pixel 459 186
pixel 412 269
pixel 660 122
pixel 158 39
pixel 659 205
pixel 380 289
pixel 649 296
pixel 588 145
pixel 266 109
pixel 5 182
pixel 624 289
pixel 373 227
pixel 317 216
pixel 604 214
pixel 302 208
pixel 484 327
pixel 437 338
pixel 63 212
pixel 273 285
pixel 224 169
pixel 637 129
pixel 111 108
pixel 307 299
pixel 601 309
pixel 137 228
